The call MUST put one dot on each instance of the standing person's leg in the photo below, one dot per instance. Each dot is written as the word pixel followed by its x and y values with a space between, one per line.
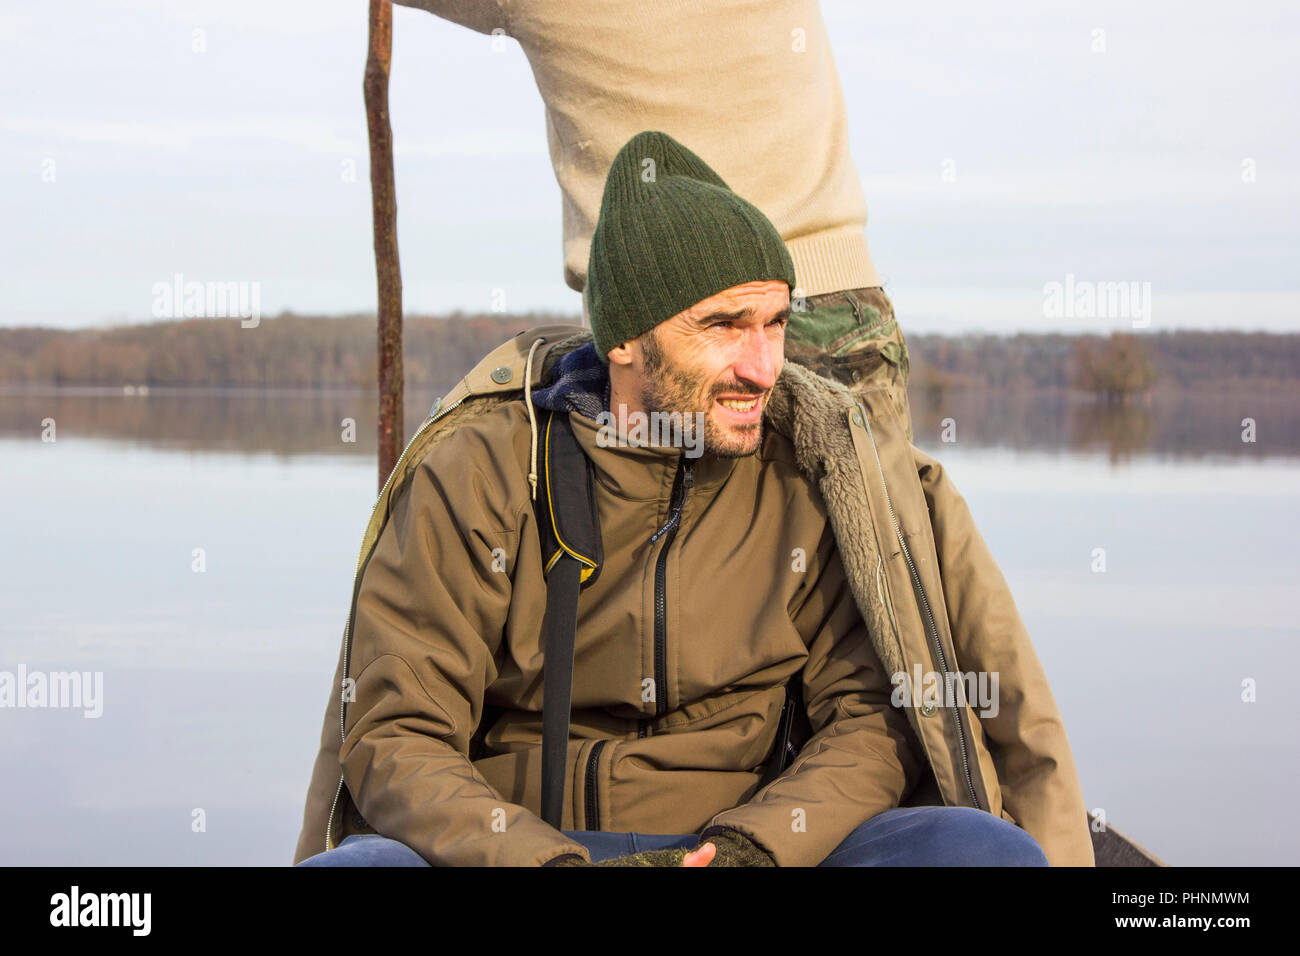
pixel 937 836
pixel 852 337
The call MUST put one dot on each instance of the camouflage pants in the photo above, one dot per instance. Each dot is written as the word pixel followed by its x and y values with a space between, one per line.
pixel 852 337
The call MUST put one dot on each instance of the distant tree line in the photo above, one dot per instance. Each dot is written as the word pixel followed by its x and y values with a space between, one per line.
pixel 289 351
pixel 1115 367
pixel 295 351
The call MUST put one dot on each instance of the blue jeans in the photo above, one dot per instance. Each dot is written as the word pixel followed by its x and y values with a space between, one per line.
pixel 904 836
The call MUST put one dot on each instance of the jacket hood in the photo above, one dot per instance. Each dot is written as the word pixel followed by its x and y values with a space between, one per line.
pixel 580 384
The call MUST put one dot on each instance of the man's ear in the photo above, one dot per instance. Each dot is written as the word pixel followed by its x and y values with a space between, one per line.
pixel 620 355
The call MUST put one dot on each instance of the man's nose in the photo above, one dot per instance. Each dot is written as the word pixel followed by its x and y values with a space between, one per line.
pixel 755 362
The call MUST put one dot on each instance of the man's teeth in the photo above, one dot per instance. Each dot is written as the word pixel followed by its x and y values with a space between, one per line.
pixel 737 404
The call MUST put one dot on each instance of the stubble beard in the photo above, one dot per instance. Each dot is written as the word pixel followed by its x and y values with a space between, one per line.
pixel 671 389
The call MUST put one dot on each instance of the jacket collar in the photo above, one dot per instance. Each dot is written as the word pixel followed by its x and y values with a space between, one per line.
pixel 580 386
pixel 644 472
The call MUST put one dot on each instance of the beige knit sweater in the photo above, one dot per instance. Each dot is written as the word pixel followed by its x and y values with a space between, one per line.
pixel 748 85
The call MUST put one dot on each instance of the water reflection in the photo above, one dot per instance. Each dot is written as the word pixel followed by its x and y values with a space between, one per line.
pixel 1169 425
pixel 285 423
pixel 288 423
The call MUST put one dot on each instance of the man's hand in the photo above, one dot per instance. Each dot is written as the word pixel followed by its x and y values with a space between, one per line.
pixel 701 856
pixel 733 848
pixel 723 848
pixel 697 857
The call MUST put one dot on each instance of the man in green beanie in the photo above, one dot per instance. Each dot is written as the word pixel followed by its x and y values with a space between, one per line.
pixel 688 290
pixel 733 576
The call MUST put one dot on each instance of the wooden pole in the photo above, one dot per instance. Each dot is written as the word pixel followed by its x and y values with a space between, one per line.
pixel 388 271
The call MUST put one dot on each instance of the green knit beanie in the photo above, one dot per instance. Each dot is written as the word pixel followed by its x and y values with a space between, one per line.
pixel 670 234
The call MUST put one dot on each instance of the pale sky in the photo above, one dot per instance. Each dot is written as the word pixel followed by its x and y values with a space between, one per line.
pixel 228 164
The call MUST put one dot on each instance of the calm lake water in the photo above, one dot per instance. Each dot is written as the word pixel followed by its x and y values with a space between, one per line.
pixel 214 683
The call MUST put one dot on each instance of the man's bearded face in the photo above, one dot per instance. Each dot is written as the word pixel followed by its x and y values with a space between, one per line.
pixel 671 388
pixel 720 358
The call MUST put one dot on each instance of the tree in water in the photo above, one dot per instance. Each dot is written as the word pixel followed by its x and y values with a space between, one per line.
pixel 1117 368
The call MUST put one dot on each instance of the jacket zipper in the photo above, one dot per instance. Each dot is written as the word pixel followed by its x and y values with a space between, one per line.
pixel 591 819
pixel 682 483
pixel 925 607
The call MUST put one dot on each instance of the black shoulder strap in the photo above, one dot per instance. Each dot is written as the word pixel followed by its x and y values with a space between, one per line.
pixel 571 555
